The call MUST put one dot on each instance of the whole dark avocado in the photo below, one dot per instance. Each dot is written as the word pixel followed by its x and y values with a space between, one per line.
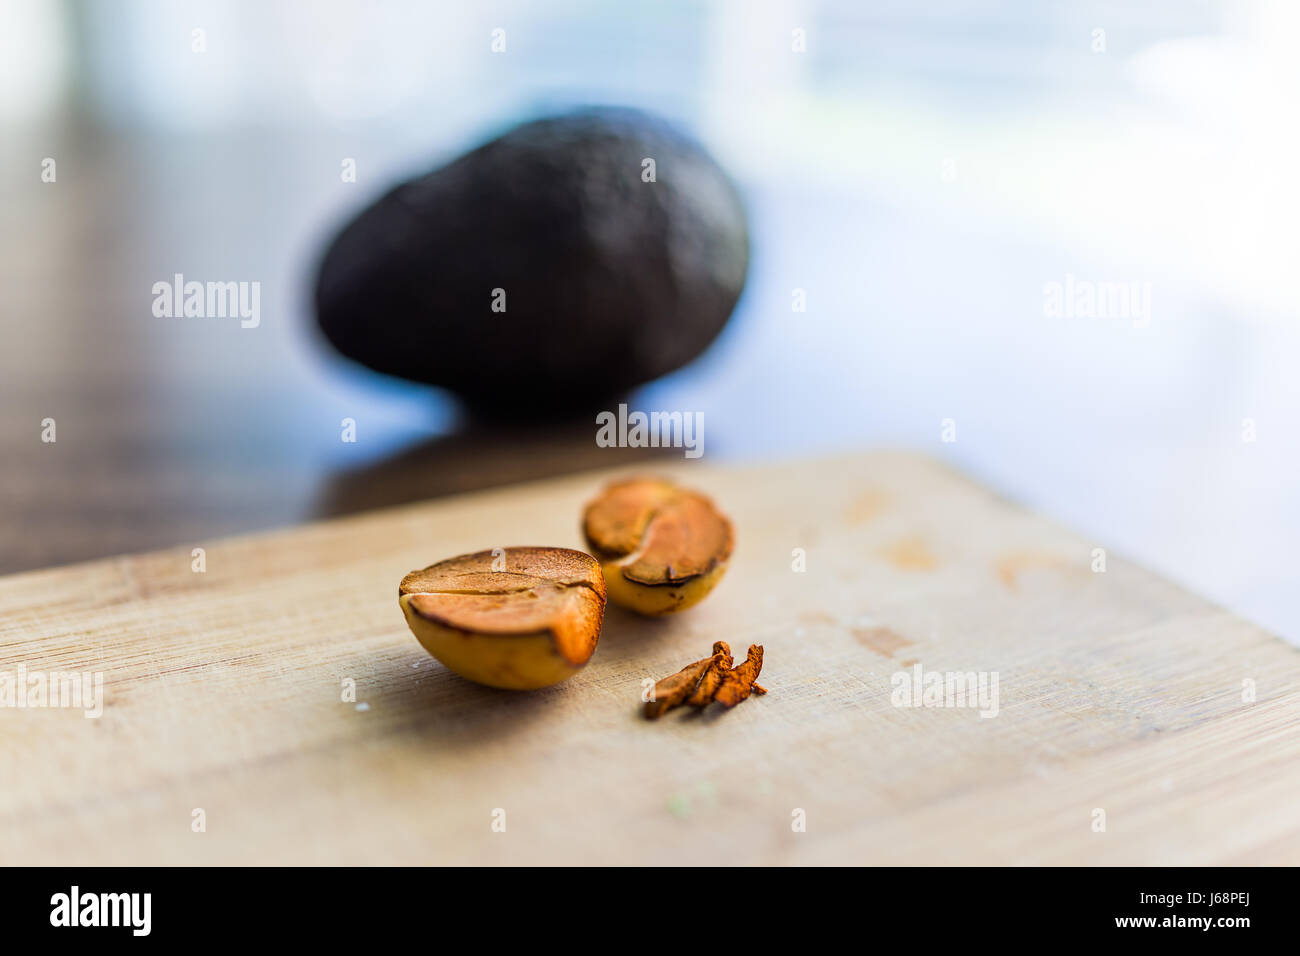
pixel 606 280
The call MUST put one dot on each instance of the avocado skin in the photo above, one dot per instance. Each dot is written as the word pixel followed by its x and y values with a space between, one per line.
pixel 609 281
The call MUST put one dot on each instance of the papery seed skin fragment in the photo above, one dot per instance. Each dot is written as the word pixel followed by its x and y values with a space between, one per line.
pixel 738 683
pixel 672 690
pixel 704 681
pixel 662 548
pixel 531 625
pixel 709 683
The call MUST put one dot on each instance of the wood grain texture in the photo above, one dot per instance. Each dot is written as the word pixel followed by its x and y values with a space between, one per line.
pixel 1117 691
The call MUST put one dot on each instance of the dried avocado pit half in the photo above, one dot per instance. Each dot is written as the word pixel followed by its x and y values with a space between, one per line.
pixel 532 622
pixel 662 547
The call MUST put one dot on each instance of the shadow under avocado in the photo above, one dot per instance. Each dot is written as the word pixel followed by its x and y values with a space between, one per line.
pixel 483 454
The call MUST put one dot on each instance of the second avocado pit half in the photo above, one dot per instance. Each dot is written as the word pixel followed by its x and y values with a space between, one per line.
pixel 662 548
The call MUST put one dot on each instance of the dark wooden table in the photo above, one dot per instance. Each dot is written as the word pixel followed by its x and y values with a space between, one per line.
pixel 173 430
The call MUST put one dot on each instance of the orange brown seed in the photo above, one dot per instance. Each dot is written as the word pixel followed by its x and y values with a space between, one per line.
pixel 554 590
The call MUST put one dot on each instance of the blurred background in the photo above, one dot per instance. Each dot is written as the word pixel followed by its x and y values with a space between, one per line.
pixel 922 172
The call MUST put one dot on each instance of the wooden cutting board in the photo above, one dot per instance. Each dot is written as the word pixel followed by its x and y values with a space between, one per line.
pixel 1118 692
